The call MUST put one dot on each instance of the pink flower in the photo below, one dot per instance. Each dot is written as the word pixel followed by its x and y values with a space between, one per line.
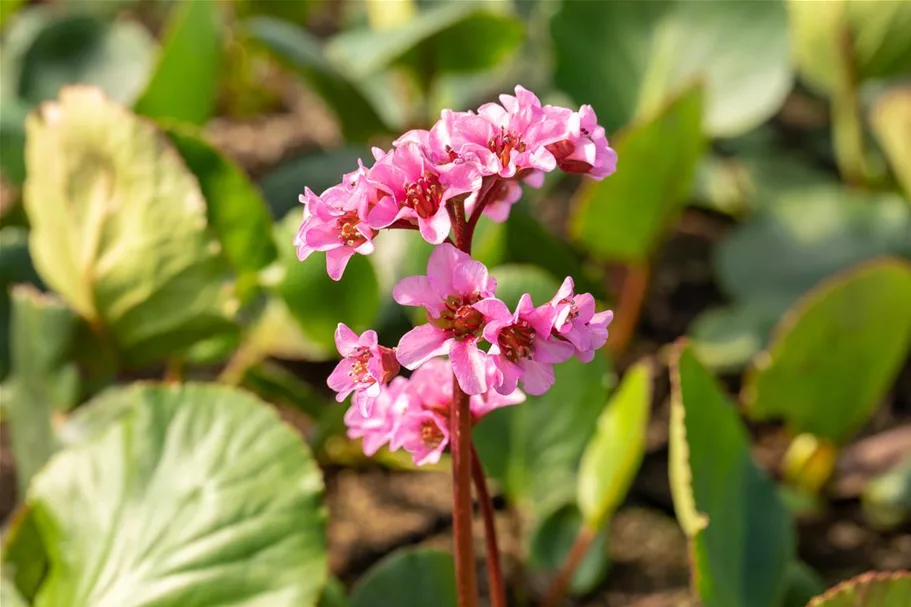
pixel 522 131
pixel 453 285
pixel 586 149
pixel 522 345
pixel 383 421
pixel 503 194
pixel 425 435
pixel 365 368
pixel 332 224
pixel 416 190
pixel 577 322
pixel 482 404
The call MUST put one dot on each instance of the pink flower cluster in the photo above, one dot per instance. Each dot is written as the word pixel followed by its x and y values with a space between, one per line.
pixel 440 181
pixel 458 295
pixel 473 158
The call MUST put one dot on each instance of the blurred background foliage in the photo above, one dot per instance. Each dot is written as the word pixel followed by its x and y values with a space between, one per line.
pixel 754 246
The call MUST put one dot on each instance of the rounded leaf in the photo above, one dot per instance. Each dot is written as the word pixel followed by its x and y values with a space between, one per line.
pixel 416 578
pixel 192 495
pixel 871 589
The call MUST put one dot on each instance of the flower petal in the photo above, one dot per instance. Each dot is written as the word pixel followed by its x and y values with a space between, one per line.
pixel 337 261
pixel 469 364
pixel 421 344
pixel 346 340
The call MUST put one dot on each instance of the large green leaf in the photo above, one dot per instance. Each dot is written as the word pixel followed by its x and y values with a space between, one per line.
pixel 15 268
pixel 613 455
pixel 626 58
pixel 234 207
pixel 431 43
pixel 741 535
pixel 868 38
pixel 624 216
pixel 891 121
pixel 81 49
pixel 302 52
pixel 9 596
pixel 514 280
pixel 417 578
pixel 12 139
pixel 119 227
pixel 315 300
pixel 871 589
pixel 43 377
pixel 192 495
pixel 836 352
pixel 533 449
pixel 184 85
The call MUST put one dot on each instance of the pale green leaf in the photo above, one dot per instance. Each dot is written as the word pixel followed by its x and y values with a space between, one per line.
pixel 417 578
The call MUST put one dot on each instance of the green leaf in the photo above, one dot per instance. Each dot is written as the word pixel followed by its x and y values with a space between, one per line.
pixel 234 207
pixel 318 302
pixel 24 558
pixel 835 354
pixel 43 377
pixel 886 499
pixel 333 594
pixel 624 216
pixel 533 449
pixel 15 268
pixel 431 43
pixel 891 122
pixel 12 140
pixel 741 535
pixel 872 36
pixel 300 51
pixel 553 539
pixel 196 484
pixel 416 577
pixel 627 58
pixel 726 339
pixel 614 454
pixel 184 85
pixel 801 585
pixel 8 9
pixel 80 49
pixel 317 170
pixel 871 589
pixel 9 596
pixel 513 280
pixel 119 228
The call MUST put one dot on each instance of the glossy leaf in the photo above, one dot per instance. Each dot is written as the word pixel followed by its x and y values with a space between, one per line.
pixel 552 540
pixel 315 300
pixel 318 171
pixel 741 536
pixel 627 58
pixel 43 377
pixel 184 85
pixel 836 352
pixel 12 139
pixel 624 216
pixel 301 52
pixel 80 49
pixel 891 122
pixel 234 207
pixel 119 228
pixel 533 450
pixel 614 454
pixel 414 577
pixel 196 483
pixel 431 43
pixel 871 589
pixel 15 268
pixel 870 37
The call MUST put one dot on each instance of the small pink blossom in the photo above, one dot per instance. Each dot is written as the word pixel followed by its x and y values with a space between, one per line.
pixel 417 191
pixel 453 285
pixel 365 368
pixel 332 224
pixel 425 435
pixel 383 421
pixel 577 322
pixel 586 149
pixel 523 348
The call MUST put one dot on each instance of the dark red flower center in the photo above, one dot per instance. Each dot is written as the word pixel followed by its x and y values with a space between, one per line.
pixel 517 341
pixel 503 143
pixel 460 317
pixel 348 234
pixel 431 435
pixel 358 370
pixel 424 195
pixel 562 150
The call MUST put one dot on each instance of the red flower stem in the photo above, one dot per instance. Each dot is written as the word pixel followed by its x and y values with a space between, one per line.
pixel 484 197
pixel 461 448
pixel 494 573
pixel 573 558
pixel 629 306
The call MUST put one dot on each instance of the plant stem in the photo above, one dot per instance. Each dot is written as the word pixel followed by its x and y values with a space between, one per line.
pixel 494 573
pixel 629 307
pixel 463 539
pixel 847 125
pixel 573 558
